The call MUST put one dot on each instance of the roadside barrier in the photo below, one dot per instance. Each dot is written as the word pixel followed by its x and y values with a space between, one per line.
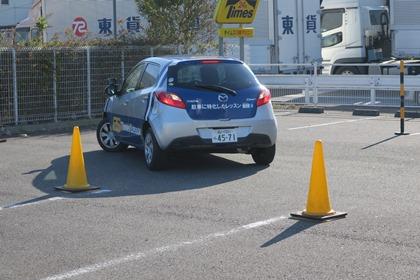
pixel 318 205
pixel 76 174
pixel 377 89
pixel 402 100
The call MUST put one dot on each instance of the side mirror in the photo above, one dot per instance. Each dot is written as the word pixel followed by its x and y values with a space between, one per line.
pixel 112 87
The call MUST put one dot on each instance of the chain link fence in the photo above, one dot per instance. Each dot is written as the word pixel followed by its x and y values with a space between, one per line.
pixel 38 85
pixel 56 84
pixel 6 87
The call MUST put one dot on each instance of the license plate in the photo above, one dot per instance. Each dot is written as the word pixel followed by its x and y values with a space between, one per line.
pixel 224 136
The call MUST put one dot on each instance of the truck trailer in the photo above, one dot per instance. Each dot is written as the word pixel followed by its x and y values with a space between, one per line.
pixel 286 32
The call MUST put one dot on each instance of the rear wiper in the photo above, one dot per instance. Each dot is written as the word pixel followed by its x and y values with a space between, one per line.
pixel 216 88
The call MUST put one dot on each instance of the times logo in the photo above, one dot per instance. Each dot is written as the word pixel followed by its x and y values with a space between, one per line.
pixel 241 8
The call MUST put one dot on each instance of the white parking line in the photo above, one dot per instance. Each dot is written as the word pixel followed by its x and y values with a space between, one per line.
pixel 40 201
pixel 18 205
pixel 101 191
pixel 173 247
pixel 332 123
pixel 414 134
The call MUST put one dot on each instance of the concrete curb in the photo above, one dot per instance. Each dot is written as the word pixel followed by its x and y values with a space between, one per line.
pixel 47 128
pixel 366 113
pixel 311 110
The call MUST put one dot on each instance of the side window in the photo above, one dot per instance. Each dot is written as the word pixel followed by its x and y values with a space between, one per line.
pixel 150 76
pixel 378 17
pixel 132 81
pixel 331 19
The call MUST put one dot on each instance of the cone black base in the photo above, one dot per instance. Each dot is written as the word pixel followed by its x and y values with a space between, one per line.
pixel 64 189
pixel 301 215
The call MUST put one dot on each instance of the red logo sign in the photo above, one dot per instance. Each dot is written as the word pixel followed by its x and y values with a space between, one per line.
pixel 80 27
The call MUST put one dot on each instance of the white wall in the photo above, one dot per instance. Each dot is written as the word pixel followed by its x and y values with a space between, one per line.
pixel 61 14
pixel 16 11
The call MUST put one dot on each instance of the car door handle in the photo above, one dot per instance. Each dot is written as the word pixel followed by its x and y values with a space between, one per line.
pixel 125 104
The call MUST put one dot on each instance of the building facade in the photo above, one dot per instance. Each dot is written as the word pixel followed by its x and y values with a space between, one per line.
pixel 13 11
pixel 83 18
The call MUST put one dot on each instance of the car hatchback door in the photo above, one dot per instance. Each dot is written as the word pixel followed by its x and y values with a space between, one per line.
pixel 215 89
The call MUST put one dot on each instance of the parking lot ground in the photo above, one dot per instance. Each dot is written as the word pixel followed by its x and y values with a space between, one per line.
pixel 217 216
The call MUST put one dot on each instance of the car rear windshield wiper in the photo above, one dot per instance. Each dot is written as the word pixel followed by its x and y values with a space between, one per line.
pixel 217 88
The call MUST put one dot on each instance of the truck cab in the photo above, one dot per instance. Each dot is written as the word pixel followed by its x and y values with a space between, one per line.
pixel 354 31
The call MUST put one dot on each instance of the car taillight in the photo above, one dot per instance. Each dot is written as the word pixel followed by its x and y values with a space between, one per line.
pixel 170 99
pixel 264 98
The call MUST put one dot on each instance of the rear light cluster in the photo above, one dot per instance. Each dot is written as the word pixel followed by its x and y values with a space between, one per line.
pixel 264 98
pixel 170 99
pixel 174 100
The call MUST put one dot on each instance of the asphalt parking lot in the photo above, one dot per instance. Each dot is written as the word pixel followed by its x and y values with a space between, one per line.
pixel 217 216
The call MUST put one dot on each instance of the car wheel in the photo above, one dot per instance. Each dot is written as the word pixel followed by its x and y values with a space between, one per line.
pixel 347 70
pixel 106 138
pixel 264 156
pixel 154 157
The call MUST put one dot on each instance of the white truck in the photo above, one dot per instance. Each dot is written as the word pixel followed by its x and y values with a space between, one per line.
pixel 81 19
pixel 286 32
pixel 369 31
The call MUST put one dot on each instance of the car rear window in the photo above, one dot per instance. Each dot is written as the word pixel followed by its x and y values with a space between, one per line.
pixel 232 75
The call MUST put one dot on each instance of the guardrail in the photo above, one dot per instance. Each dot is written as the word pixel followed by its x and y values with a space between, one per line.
pixel 329 90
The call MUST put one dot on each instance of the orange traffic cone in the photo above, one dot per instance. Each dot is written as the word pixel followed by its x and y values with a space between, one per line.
pixel 318 206
pixel 76 174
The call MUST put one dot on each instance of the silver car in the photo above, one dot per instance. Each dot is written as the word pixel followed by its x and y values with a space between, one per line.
pixel 169 104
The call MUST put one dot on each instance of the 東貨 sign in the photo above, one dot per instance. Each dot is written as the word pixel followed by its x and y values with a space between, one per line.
pixel 236 11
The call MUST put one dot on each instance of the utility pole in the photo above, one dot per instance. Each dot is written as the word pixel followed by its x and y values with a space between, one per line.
pixel 221 44
pixel 114 8
pixel 44 14
pixel 276 33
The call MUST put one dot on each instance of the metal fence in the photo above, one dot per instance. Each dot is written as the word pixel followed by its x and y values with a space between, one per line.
pixel 61 83
pixel 67 83
pixel 313 88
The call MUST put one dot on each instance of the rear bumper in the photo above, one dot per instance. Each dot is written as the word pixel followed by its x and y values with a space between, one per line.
pixel 174 129
pixel 198 143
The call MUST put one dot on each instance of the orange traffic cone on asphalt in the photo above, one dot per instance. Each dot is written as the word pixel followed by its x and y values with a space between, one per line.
pixel 76 173
pixel 318 205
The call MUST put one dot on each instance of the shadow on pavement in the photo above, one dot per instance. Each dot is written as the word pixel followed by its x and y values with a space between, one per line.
pixel 294 229
pixel 125 174
pixel 380 142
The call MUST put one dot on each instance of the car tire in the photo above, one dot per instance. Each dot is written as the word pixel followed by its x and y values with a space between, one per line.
pixel 154 157
pixel 106 138
pixel 347 70
pixel 264 156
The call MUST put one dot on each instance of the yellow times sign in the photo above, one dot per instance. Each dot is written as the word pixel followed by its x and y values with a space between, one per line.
pixel 236 32
pixel 236 11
